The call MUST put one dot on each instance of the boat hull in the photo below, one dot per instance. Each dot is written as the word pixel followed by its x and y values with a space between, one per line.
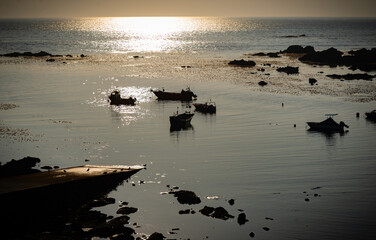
pixel 205 108
pixel 183 96
pixel 181 121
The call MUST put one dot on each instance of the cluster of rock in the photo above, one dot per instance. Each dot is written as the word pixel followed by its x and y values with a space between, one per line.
pixel 18 167
pixel 242 63
pixel 362 59
pixel 38 54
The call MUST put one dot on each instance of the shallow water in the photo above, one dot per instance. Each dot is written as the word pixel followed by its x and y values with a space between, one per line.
pixel 249 150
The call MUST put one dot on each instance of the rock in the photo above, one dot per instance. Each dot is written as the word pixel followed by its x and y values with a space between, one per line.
pixel 187 211
pixel 261 54
pixel 273 55
pixel 330 57
pixel 312 81
pixel 231 202
pixel 242 219
pixel 350 76
pixel 119 220
pixel 289 70
pixel 252 234
pixel 297 49
pixel 218 212
pixel 109 230
pixel 266 228
pixel 242 63
pixel 17 167
pixel 50 60
pixel 156 236
pixel 262 83
pixel 126 210
pixel 186 197
pixel 82 55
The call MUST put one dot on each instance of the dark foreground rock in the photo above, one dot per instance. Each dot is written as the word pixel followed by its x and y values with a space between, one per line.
pixel 350 76
pixel 242 63
pixel 262 83
pixel 186 197
pixel 289 70
pixel 312 81
pixel 126 210
pixel 156 236
pixel 17 167
pixel 218 212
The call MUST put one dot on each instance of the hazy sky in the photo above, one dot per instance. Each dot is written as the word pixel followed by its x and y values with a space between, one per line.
pixel 234 8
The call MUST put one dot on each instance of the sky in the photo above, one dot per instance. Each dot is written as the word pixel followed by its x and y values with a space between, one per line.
pixel 227 8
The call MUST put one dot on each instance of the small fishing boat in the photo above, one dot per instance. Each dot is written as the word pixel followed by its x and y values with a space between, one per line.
pixel 328 125
pixel 180 121
pixel 116 99
pixel 371 115
pixel 208 107
pixel 184 95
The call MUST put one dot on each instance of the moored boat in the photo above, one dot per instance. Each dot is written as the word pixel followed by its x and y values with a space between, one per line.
pixel 328 125
pixel 180 121
pixel 184 95
pixel 371 115
pixel 208 107
pixel 116 99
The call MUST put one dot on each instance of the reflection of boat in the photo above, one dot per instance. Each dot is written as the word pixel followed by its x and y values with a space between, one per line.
pixel 328 125
pixel 208 107
pixel 184 95
pixel 116 99
pixel 371 115
pixel 180 121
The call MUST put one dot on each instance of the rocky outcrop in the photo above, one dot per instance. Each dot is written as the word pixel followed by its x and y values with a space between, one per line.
pixel 330 57
pixel 218 212
pixel 17 167
pixel 242 63
pixel 289 70
pixel 297 49
pixel 349 76
pixel 186 197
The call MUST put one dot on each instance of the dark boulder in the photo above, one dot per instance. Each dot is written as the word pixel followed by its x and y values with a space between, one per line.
pixel 242 219
pixel 312 81
pixel 218 212
pixel 17 167
pixel 126 210
pixel 242 63
pixel 186 197
pixel 299 49
pixel 273 55
pixel 289 70
pixel 260 54
pixel 262 83
pixel 156 236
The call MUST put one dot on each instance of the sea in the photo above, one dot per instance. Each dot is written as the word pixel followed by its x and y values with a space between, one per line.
pixel 257 149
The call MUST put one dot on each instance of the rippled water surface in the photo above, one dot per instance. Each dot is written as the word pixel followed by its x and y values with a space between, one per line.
pixel 299 184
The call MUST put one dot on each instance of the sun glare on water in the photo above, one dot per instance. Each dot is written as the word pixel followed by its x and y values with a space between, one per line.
pixel 142 34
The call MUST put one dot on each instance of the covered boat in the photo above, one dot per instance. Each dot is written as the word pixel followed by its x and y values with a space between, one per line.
pixel 328 125
pixel 371 115
pixel 184 95
pixel 180 121
pixel 116 99
pixel 208 107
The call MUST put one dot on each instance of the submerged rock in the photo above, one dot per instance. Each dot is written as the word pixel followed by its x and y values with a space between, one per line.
pixel 186 197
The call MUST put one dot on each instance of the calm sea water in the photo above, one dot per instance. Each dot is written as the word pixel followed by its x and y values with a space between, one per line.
pixel 249 151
